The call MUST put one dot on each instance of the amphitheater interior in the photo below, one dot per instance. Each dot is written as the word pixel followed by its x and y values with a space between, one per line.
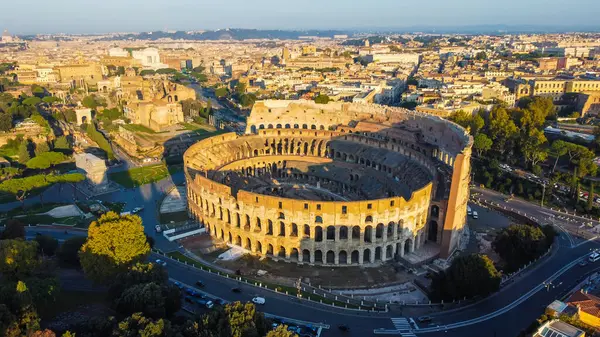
pixel 337 184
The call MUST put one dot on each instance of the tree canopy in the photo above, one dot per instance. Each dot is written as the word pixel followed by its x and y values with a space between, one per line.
pixel 114 243
pixel 322 99
pixel 517 245
pixel 468 276
pixel 18 258
pixel 46 160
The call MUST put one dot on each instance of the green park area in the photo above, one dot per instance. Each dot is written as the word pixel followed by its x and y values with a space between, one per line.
pixel 138 128
pixel 144 175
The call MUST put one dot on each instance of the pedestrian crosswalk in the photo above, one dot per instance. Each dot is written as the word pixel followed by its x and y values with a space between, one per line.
pixel 403 326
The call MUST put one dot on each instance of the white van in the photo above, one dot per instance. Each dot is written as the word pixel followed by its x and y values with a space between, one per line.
pixel 258 300
pixel 595 256
pixel 475 215
pixel 469 210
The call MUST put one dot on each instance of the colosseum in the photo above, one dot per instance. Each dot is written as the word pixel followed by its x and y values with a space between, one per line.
pixel 335 184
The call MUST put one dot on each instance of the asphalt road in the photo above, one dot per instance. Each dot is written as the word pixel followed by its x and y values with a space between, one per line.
pixel 505 313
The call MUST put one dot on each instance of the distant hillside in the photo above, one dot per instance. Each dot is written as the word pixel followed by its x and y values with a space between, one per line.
pixel 228 34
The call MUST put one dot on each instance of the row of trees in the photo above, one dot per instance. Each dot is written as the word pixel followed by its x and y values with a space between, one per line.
pixel 99 139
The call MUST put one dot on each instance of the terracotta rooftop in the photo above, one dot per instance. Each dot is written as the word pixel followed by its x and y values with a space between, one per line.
pixel 587 303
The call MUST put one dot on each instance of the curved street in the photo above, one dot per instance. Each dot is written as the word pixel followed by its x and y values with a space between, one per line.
pixel 518 303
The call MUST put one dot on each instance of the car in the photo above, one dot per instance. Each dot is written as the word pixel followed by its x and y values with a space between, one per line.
pixel 258 300
pixel 475 215
pixel 236 290
pixel 161 262
pixel 200 284
pixel 205 303
pixel 137 210
pixel 343 327
pixel 595 256
pixel 158 228
pixel 218 301
pixel 425 319
pixel 583 263
pixel 191 292
pixel 178 285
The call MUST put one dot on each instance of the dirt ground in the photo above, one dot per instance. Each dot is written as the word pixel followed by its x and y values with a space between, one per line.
pixel 288 273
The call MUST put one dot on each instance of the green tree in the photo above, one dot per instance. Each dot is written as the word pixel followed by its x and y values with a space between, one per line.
pixel 138 273
pixel 221 92
pixel 14 229
pixel 481 56
pixel 477 123
pixel 68 252
pixel 532 147
pixel 240 88
pixel 47 245
pixel 166 71
pixel 146 298
pixel 62 144
pixel 139 326
pixel 18 258
pixel 281 331
pixel 45 160
pixel 41 148
pixel 468 276
pixel 517 245
pixel 24 151
pixel 6 122
pixel 114 244
pixel 32 101
pixel 501 129
pixel 147 72
pixel 90 102
pixel 482 143
pixel 51 100
pixel 322 99
pixel 558 149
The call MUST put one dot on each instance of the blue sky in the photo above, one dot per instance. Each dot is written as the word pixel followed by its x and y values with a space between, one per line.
pixel 88 16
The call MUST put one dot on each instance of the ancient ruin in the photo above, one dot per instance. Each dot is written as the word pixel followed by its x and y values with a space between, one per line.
pixel 336 184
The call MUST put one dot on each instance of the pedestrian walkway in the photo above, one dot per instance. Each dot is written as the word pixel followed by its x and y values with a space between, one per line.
pixel 402 325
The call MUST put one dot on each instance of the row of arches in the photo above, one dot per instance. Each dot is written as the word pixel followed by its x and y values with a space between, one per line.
pixel 254 129
pixel 359 255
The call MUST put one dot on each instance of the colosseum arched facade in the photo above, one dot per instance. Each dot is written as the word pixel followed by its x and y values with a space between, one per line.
pixel 336 184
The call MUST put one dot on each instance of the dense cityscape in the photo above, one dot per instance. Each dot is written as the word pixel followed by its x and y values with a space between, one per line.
pixel 300 183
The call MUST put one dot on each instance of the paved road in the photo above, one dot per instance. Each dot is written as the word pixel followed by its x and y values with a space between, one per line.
pixel 507 306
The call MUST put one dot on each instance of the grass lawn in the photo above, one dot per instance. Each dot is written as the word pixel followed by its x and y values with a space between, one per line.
pixel 143 175
pixel 138 128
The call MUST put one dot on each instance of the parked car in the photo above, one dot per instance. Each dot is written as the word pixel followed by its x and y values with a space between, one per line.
pixel 158 228
pixel 205 303
pixel 193 293
pixel 137 210
pixel 258 300
pixel 200 284
pixel 236 290
pixel 475 215
pixel 178 285
pixel 425 319
pixel 161 262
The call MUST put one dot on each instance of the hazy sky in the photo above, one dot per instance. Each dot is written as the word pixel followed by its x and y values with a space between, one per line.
pixel 88 16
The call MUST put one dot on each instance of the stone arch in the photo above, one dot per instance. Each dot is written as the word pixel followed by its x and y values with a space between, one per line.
pixel 379 231
pixel 281 252
pixel 222 234
pixel 367 256
pixel 270 249
pixel 238 241
pixel 343 257
pixel 287 126
pixel 318 256
pixel 281 228
pixel 248 244
pixel 368 233
pixel 435 211
pixel 390 231
pixel 294 231
pixel 258 224
pixel 343 233
pixel 294 254
pixel 230 238
pixel 356 233
pixel 269 227
pixel 368 218
pixel 408 246
pixel 330 258
pixel 318 234
pixel 253 129
pixel 306 231
pixel 331 233
pixel 258 247
pixel 389 252
pixel 432 231
pixel 378 255
pixel 318 219
pixel 306 255
pixel 354 256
